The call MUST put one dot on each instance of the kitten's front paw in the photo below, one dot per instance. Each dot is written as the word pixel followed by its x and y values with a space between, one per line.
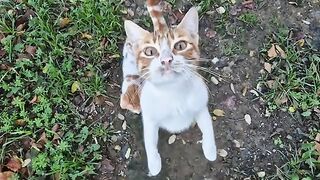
pixel 209 150
pixel 154 164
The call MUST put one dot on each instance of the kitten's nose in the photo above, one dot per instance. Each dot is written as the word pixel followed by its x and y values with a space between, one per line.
pixel 166 60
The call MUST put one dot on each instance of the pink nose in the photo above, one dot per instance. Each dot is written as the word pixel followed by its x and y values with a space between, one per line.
pixel 166 60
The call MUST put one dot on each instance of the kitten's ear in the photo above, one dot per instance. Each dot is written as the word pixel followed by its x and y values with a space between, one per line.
pixel 190 21
pixel 133 31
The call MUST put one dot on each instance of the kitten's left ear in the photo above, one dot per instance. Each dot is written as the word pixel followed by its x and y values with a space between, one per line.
pixel 190 21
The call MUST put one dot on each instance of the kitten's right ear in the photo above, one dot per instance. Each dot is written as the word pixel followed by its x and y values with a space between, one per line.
pixel 133 31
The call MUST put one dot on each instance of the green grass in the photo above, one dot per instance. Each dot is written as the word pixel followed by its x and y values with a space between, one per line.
pixel 295 87
pixel 35 86
pixel 296 78
pixel 249 18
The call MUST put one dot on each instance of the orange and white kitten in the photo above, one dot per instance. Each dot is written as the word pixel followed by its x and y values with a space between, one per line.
pixel 173 95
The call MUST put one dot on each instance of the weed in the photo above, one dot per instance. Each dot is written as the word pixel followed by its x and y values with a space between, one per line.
pixel 249 18
pixel 292 85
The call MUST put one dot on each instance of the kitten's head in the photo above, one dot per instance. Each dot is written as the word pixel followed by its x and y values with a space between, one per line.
pixel 167 54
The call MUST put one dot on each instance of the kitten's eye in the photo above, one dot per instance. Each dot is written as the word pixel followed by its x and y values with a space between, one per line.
pixel 150 51
pixel 181 45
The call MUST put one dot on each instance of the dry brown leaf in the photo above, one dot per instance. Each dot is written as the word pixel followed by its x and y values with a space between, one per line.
pixel 270 84
pixel 33 100
pixel 42 140
pixel 218 112
pixel 268 67
pixel 276 51
pixel 317 145
pixel 14 164
pixel 31 50
pixel 20 122
pixel 21 27
pixel 281 100
pixel 86 36
pixel 64 22
pixel 7 175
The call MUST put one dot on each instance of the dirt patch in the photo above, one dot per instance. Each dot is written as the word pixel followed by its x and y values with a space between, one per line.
pixel 184 158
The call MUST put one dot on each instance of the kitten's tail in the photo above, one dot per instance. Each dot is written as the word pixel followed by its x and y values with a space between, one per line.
pixel 155 11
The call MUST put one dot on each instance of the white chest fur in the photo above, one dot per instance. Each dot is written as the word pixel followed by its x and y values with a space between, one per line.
pixel 174 106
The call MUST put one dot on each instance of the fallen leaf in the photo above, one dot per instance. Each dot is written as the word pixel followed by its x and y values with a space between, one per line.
pixel 251 53
pixel 7 175
pixel 222 153
pixel 232 88
pixel 21 27
pixel 117 147
pixel 261 174
pixel 245 90
pixel 300 42
pixel 276 51
pixel 254 92
pixel 248 4
pixel 215 60
pixel 267 67
pixel 221 10
pixel 75 86
pixel 306 22
pixel 14 164
pixel 281 100
pixel 33 100
pixel 172 139
pixel 64 22
pixel 214 80
pixel 270 84
pixel 247 118
pixel 2 53
pixel 120 116
pixel 183 141
pixel 127 155
pixel 21 122
pixel 218 112
pixel 26 162
pixel 86 36
pixel 124 125
pixel 210 33
pixel 42 140
pixel 291 109
pixel 237 143
pixel 55 128
pixel 31 50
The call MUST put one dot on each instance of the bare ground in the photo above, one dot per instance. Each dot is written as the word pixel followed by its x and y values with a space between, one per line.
pixel 257 152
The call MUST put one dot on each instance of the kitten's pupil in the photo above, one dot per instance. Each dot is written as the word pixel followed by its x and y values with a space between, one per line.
pixel 150 51
pixel 181 45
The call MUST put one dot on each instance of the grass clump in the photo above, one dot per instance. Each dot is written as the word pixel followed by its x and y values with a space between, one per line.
pixel 52 52
pixel 291 82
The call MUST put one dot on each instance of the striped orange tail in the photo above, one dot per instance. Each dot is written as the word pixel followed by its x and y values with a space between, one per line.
pixel 155 11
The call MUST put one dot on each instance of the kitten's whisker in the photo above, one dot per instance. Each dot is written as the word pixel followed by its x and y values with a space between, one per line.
pixel 206 82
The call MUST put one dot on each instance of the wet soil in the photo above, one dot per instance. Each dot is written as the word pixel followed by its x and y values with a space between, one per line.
pixel 184 158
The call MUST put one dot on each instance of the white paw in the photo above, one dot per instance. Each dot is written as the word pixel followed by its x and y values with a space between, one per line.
pixel 210 151
pixel 154 164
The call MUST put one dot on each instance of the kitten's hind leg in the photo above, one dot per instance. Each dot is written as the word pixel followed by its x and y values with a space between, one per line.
pixel 208 142
pixel 150 132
